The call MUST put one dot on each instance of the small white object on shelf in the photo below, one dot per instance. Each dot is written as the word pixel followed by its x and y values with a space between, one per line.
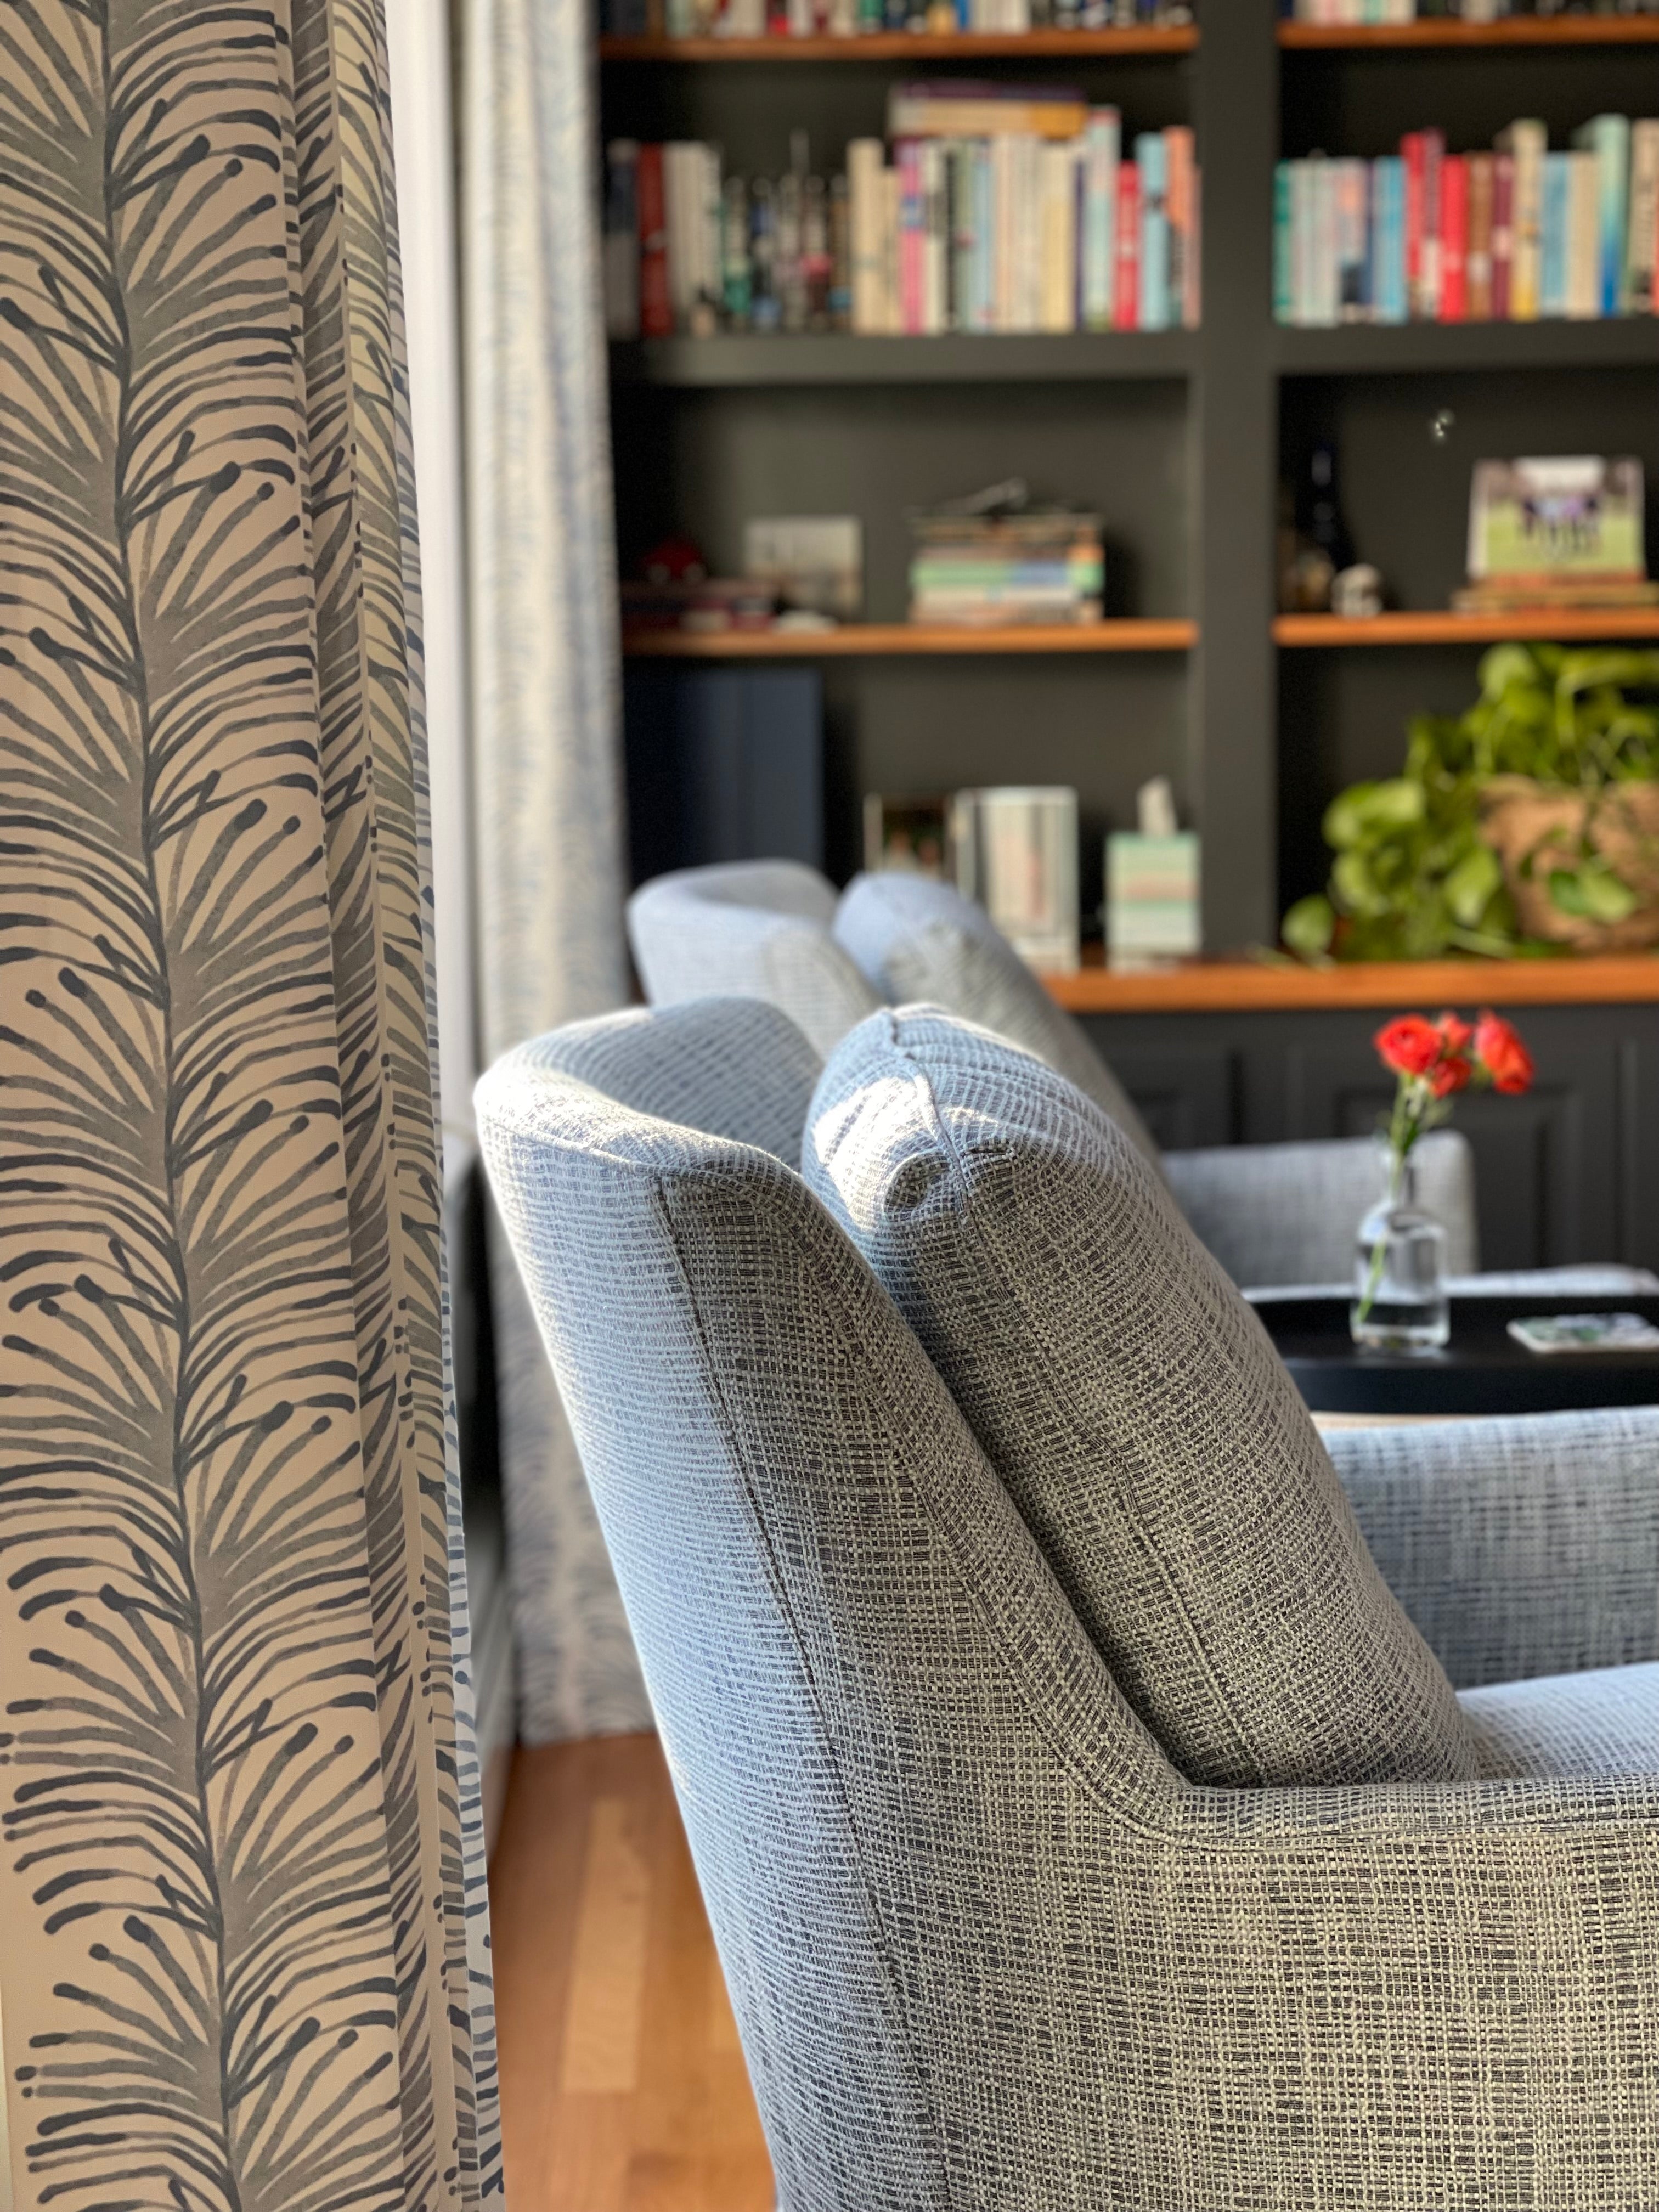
pixel 1016 853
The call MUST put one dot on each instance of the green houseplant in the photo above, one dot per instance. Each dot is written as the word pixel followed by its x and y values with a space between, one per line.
pixel 1528 824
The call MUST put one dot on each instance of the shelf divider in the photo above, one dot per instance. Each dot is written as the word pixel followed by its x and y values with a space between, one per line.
pixel 860 641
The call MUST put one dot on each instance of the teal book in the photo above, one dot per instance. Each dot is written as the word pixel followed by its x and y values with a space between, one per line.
pixel 1607 136
pixel 1283 264
pixel 1151 159
pixel 1388 300
pixel 1102 147
pixel 1553 280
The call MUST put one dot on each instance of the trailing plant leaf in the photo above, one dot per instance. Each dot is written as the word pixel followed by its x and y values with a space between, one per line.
pixel 1413 877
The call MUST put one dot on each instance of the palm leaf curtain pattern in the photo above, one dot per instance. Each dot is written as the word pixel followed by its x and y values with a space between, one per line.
pixel 245 1958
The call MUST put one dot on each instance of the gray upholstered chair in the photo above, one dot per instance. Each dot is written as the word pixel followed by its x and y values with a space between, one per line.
pixel 756 929
pixel 986 1944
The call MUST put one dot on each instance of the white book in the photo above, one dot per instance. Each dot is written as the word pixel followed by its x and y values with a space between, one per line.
pixel 1028 247
pixel 1584 238
pixel 865 167
pixel 1640 246
pixel 1057 218
pixel 892 309
pixel 1302 242
pixel 1103 143
pixel 1003 233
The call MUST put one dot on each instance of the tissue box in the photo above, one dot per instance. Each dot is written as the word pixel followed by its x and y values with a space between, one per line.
pixel 1152 899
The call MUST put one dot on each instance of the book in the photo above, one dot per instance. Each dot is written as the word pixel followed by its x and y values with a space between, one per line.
pixel 1153 912
pixel 1502 236
pixel 1151 161
pixel 1583 288
pixel 1414 153
pixel 1102 142
pixel 1478 285
pixel 1525 143
pixel 1284 242
pixel 1058 169
pixel 1181 193
pixel 622 239
pixel 1643 227
pixel 913 237
pixel 1351 186
pixel 1125 292
pixel 1605 139
pixel 1429 269
pixel 656 303
pixel 1389 298
pixel 1454 303
pixel 1015 850
pixel 864 178
pixel 952 109
pixel 1556 235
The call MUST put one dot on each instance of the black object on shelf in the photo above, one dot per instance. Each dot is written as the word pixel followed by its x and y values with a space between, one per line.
pixel 1482 1370
pixel 723 765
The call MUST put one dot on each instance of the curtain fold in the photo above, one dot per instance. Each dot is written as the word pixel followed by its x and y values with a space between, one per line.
pixel 546 742
pixel 240 1856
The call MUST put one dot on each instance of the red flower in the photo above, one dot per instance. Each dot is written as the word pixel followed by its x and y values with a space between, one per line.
pixel 1456 1033
pixel 1451 1074
pixel 1410 1045
pixel 1502 1056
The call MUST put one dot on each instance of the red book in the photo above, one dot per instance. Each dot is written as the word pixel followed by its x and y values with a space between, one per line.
pixel 1126 295
pixel 1503 233
pixel 1434 156
pixel 656 308
pixel 1414 153
pixel 1454 238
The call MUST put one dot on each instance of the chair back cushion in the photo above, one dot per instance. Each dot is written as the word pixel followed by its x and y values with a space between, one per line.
pixel 917 942
pixel 1133 1406
pixel 754 930
pixel 892 1742
pixel 733 1068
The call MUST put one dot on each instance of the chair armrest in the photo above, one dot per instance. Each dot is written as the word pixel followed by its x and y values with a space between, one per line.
pixel 1521 1547
pixel 1287 1214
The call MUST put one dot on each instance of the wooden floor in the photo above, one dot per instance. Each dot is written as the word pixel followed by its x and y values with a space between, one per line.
pixel 622 2085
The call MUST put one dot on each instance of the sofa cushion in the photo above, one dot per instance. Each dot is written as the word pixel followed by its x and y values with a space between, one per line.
pixel 1603 1722
pixel 1134 1407
pixel 917 941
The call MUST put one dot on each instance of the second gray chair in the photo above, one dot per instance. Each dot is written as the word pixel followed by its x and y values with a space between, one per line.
pixel 753 929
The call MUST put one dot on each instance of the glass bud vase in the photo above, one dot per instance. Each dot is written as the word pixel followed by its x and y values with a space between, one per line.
pixel 1399 1302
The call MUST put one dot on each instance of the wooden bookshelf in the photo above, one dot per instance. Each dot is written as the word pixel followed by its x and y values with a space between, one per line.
pixel 1612 625
pixel 858 641
pixel 889 47
pixel 1281 986
pixel 838 357
pixel 1439 34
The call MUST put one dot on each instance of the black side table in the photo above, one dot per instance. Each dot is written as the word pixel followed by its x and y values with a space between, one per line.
pixel 1482 1370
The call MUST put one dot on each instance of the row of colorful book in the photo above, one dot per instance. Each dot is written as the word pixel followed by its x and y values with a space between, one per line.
pixel 1002 210
pixel 852 19
pixel 1467 11
pixel 1513 235
pixel 1022 230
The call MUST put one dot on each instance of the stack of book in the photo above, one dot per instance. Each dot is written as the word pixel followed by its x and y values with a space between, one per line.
pixel 813 19
pixel 1512 235
pixel 985 571
pixel 1005 207
pixel 1466 11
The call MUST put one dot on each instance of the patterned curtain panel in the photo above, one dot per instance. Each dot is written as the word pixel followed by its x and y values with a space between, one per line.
pixel 245 1958
pixel 546 742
